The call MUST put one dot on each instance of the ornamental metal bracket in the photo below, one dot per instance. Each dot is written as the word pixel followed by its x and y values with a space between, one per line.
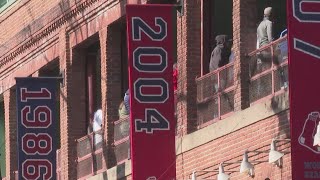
pixel 180 9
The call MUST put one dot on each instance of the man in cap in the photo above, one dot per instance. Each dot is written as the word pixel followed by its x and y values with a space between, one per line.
pixel 264 30
pixel 220 57
pixel 220 54
pixel 264 37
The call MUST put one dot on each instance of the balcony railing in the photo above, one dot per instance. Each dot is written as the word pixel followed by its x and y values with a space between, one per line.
pixel 90 155
pixel 122 139
pixel 215 95
pixel 90 149
pixel 268 68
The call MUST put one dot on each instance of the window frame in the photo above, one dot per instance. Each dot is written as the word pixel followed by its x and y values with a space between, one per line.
pixel 9 3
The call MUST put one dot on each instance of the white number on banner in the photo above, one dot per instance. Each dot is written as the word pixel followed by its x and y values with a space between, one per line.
pixel 302 16
pixel 41 117
pixel 150 52
pixel 145 83
pixel 153 121
pixel 144 61
pixel 36 144
pixel 44 93
pixel 307 48
pixel 32 169
pixel 140 25
pixel 306 17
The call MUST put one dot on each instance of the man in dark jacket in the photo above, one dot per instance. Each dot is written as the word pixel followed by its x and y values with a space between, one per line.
pixel 220 54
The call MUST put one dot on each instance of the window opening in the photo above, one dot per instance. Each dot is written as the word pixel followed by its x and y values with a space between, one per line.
pixel 214 25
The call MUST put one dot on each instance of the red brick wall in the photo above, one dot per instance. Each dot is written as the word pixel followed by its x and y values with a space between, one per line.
pixel 72 105
pixel 112 83
pixel 189 65
pixel 244 33
pixel 10 132
pixel 231 147
pixel 20 15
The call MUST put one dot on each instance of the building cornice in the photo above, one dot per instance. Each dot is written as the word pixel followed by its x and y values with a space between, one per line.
pixel 45 31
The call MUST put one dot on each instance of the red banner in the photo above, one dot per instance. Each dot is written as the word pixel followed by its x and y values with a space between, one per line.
pixel 304 65
pixel 151 53
pixel 37 128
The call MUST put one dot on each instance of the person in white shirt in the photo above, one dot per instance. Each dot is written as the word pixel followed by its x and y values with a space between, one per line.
pixel 97 126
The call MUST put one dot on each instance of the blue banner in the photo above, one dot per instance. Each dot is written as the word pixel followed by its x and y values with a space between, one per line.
pixel 37 128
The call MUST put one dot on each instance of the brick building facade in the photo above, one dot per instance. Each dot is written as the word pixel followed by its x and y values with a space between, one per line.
pixel 85 41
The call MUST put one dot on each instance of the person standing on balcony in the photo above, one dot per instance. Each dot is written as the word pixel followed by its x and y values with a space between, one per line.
pixel 264 37
pixel 264 30
pixel 220 57
pixel 221 53
pixel 126 100
pixel 123 113
pixel 97 126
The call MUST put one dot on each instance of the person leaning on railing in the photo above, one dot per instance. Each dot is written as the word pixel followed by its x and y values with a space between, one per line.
pixel 123 113
pixel 264 30
pixel 220 56
pixel 126 100
pixel 97 126
pixel 221 53
pixel 265 36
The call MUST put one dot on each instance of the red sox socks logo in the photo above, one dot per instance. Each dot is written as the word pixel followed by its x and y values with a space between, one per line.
pixel 309 130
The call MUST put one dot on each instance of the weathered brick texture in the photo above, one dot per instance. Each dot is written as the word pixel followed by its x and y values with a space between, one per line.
pixel 230 148
pixel 9 98
pixel 189 66
pixel 72 106
pixel 112 83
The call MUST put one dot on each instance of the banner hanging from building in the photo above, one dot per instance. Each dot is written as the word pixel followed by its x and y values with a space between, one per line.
pixel 151 53
pixel 37 127
pixel 304 66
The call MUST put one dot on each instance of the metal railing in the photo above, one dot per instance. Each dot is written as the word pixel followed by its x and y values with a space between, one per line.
pixel 215 95
pixel 268 70
pixel 122 139
pixel 90 155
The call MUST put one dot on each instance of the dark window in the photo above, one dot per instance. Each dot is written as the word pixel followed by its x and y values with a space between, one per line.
pixel 217 19
pixel 5 3
pixel 93 81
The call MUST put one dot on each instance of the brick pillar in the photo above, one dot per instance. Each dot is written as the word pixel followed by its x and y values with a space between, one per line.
pixel 103 71
pixel 189 65
pixel 72 105
pixel 9 97
pixel 244 33
pixel 110 84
